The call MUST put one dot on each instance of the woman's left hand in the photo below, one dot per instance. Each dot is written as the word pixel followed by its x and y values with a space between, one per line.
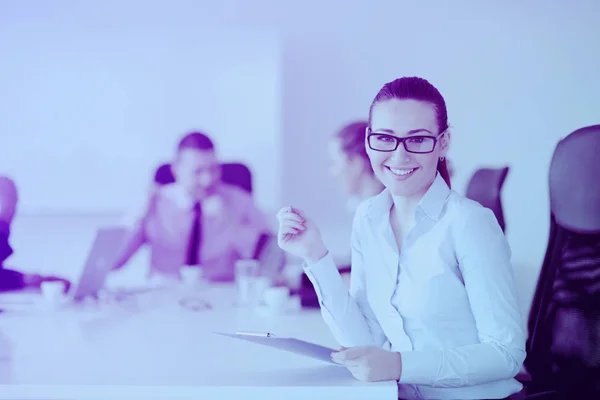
pixel 370 364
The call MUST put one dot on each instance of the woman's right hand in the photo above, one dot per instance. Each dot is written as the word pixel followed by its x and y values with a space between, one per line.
pixel 299 236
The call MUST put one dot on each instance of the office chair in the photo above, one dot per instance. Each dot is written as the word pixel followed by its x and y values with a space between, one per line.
pixel 236 174
pixel 563 348
pixel 164 175
pixel 538 396
pixel 485 187
pixel 271 257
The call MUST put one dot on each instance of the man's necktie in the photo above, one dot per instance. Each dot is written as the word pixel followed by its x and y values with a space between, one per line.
pixel 194 245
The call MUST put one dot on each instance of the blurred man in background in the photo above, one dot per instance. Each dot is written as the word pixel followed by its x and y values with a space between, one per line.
pixel 11 279
pixel 197 220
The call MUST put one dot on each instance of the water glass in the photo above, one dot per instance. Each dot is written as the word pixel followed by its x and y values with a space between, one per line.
pixel 249 282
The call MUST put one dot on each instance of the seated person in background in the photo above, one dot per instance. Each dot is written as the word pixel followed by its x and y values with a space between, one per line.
pixel 350 164
pixel 10 279
pixel 198 219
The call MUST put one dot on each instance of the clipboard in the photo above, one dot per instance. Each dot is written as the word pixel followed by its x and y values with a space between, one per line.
pixel 291 345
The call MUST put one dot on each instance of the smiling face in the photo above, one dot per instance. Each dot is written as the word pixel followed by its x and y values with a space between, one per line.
pixel 404 173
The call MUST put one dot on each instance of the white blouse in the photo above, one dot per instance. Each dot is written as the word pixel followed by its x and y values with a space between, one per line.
pixel 447 302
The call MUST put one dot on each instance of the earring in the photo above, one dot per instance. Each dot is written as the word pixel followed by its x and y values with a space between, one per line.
pixel 442 158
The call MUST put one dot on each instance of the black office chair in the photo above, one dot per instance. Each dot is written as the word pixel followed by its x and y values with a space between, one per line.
pixel 538 396
pixel 164 175
pixel 485 188
pixel 563 349
pixel 271 257
pixel 236 174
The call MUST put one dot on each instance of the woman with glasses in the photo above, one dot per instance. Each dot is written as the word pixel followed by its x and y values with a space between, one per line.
pixel 432 301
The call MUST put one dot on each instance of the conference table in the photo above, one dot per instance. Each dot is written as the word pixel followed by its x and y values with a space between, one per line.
pixel 149 346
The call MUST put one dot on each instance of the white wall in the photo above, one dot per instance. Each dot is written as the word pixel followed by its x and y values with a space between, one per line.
pixel 516 75
pixel 91 104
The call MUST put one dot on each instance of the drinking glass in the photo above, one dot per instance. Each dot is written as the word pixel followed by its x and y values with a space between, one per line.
pixel 250 283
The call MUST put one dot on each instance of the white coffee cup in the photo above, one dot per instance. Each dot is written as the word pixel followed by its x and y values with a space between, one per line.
pixel 276 298
pixel 191 275
pixel 53 292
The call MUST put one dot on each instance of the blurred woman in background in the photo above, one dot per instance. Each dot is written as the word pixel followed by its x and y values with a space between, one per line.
pixel 349 163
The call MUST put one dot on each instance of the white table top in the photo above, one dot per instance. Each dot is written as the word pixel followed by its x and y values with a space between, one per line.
pixel 153 348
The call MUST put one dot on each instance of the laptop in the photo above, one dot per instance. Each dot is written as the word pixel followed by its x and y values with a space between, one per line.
pixel 104 250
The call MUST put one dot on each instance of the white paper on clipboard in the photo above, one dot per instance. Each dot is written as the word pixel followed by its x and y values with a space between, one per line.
pixel 291 345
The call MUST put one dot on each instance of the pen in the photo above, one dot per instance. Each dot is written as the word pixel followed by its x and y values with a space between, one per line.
pixel 258 334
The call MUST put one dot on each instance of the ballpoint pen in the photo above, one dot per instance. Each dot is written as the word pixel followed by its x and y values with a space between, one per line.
pixel 258 334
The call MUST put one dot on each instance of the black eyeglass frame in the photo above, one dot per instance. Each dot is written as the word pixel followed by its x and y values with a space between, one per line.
pixel 403 141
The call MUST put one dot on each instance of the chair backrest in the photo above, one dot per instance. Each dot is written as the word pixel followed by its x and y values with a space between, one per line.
pixel 236 174
pixel 485 187
pixel 563 348
pixel 271 257
pixel 575 181
pixel 164 175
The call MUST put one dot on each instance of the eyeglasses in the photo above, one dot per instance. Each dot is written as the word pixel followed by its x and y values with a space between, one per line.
pixel 419 144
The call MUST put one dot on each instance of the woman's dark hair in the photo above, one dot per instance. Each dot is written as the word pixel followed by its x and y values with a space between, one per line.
pixel 415 88
pixel 352 140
